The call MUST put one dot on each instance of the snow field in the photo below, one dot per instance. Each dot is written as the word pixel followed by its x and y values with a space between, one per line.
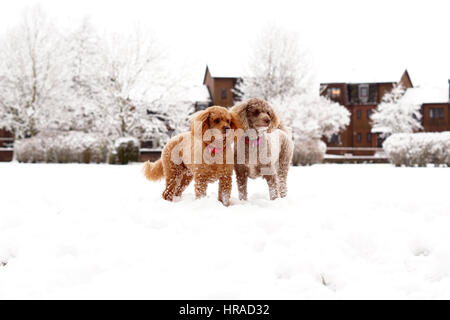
pixel 344 231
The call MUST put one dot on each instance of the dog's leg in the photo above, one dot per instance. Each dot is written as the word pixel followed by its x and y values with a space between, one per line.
pixel 225 184
pixel 174 176
pixel 273 186
pixel 282 180
pixel 171 188
pixel 283 169
pixel 201 184
pixel 184 183
pixel 241 179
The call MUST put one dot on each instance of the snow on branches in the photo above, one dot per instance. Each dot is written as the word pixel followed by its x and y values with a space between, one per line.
pixel 33 79
pixel 396 114
pixel 76 80
pixel 281 72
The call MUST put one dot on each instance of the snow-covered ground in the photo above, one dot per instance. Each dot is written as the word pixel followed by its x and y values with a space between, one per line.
pixel 344 231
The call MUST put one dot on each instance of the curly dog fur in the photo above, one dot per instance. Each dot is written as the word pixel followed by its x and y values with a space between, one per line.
pixel 273 139
pixel 179 175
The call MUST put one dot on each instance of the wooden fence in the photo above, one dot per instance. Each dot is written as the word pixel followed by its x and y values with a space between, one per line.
pixel 6 149
pixel 147 154
pixel 355 155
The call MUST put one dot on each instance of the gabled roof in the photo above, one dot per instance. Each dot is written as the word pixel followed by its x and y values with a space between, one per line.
pixel 376 74
pixel 222 72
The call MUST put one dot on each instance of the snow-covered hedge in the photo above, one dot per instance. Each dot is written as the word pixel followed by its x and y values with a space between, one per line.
pixel 411 149
pixel 308 152
pixel 63 147
pixel 126 150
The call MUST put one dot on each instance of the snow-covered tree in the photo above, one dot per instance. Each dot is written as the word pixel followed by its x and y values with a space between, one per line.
pixel 138 88
pixel 281 72
pixel 85 52
pixel 396 114
pixel 278 67
pixel 312 117
pixel 33 77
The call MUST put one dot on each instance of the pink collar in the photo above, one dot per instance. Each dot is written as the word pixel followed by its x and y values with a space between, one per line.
pixel 254 142
pixel 215 150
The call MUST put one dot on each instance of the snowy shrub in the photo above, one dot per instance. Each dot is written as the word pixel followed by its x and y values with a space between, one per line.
pixel 308 152
pixel 397 113
pixel 418 149
pixel 126 150
pixel 63 147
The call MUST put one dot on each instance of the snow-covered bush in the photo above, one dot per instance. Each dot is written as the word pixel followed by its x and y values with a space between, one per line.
pixel 126 150
pixel 396 113
pixel 418 148
pixel 63 147
pixel 308 152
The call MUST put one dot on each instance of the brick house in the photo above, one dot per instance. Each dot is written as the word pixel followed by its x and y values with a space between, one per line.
pixel 436 110
pixel 220 85
pixel 360 96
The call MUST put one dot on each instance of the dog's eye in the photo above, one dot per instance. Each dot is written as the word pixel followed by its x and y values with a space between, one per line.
pixel 256 113
pixel 216 121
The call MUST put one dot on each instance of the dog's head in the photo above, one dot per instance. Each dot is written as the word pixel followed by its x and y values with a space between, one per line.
pixel 256 114
pixel 218 118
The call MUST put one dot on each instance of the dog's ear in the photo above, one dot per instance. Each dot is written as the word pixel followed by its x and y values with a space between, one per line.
pixel 240 113
pixel 275 121
pixel 235 121
pixel 200 118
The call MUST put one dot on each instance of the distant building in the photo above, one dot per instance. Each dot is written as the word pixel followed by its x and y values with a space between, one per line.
pixel 436 110
pixel 220 85
pixel 360 95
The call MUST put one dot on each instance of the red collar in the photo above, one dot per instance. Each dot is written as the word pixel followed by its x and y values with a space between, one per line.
pixel 254 142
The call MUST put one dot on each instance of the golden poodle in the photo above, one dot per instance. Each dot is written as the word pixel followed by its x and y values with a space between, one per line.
pixel 200 154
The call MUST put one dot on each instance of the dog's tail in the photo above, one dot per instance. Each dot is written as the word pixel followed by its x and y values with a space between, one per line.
pixel 153 170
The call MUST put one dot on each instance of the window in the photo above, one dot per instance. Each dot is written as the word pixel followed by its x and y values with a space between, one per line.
pixel 364 91
pixel 358 137
pixel 334 93
pixel 148 144
pixel 335 139
pixel 358 114
pixel 437 113
pixel 224 93
pixel 369 137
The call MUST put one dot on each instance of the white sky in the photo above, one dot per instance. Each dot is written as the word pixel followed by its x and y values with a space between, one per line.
pixel 341 35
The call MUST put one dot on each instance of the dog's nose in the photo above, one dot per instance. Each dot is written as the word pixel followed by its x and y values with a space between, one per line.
pixel 227 128
pixel 267 121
